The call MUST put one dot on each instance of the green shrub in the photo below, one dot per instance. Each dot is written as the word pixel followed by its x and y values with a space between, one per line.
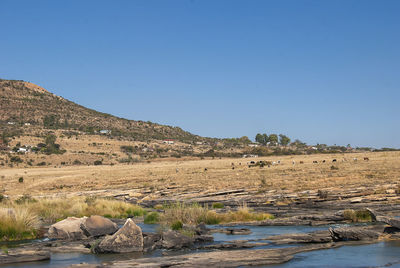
pixel 177 225
pixel 21 179
pixel 357 216
pixel 98 162
pixel 217 205
pixel 151 218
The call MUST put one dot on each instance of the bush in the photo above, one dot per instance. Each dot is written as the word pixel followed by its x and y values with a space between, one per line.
pixel 41 164
pixel 16 159
pixel 98 162
pixel 177 225
pixel 77 162
pixel 21 179
pixel 16 224
pixel 217 205
pixel 357 216
pixel 151 218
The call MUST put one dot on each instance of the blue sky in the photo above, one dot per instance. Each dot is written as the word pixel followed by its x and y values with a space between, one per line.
pixel 320 71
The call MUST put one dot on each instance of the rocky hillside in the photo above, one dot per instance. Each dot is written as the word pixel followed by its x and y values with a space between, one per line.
pixel 26 103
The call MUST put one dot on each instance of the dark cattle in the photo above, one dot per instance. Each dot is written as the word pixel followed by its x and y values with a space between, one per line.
pixel 301 162
pixel 334 160
pixel 366 158
pixel 233 167
pixel 205 169
pixel 315 162
pixel 232 164
pixel 323 161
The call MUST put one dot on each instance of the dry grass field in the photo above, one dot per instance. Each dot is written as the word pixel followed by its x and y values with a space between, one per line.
pixel 189 179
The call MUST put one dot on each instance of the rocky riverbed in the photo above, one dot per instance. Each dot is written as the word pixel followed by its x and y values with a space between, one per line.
pixel 226 246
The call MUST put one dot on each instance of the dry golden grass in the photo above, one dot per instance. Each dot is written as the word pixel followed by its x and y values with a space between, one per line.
pixel 156 179
pixel 16 224
pixel 52 210
pixel 194 214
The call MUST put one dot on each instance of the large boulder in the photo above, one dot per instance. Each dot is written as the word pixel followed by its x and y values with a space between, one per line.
pixel 175 240
pixel 352 234
pixel 70 228
pixel 127 239
pixel 98 226
pixel 151 241
pixel 390 221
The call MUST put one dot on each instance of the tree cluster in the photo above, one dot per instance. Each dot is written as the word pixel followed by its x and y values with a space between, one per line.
pixel 272 139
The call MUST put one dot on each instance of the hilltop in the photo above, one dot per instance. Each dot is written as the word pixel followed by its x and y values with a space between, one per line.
pixel 26 103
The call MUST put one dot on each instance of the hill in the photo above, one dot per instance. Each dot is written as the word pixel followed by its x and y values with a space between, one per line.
pixel 26 103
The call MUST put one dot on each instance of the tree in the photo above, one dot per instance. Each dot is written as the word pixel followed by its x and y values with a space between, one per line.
pixel 299 143
pixel 50 139
pixel 244 139
pixel 273 139
pixel 284 140
pixel 266 139
pixel 260 138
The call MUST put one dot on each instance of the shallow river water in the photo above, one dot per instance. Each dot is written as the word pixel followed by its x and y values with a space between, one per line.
pixel 372 255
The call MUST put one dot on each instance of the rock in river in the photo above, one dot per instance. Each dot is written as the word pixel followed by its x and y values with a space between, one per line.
pixel 98 226
pixel 353 234
pixel 70 228
pixel 127 239
pixel 175 240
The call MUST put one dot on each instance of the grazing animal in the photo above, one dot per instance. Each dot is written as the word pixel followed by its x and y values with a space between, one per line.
pixel 205 169
pixel 323 161
pixel 279 161
pixel 315 162
pixel 366 159
pixel 233 164
pixel 334 160
pixel 177 170
pixel 233 167
pixel 294 162
pixel 355 159
pixel 301 162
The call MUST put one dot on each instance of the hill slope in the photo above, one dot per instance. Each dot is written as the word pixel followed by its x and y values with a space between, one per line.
pixel 23 102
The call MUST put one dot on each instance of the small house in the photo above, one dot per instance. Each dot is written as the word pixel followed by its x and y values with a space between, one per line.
pixel 168 141
pixel 105 131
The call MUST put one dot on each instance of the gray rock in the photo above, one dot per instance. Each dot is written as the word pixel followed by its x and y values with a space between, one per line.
pixel 98 226
pixel 23 255
pixel 176 240
pixel 127 239
pixel 353 234
pixel 390 221
pixel 151 241
pixel 239 244
pixel 70 228
pixel 226 258
pixel 315 237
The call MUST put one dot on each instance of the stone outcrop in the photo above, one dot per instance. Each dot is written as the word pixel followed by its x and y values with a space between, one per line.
pixel 353 234
pixel 176 240
pixel 23 255
pixel 127 239
pixel 390 221
pixel 98 226
pixel 70 228
pixel 81 228
pixel 314 237
pixel 228 258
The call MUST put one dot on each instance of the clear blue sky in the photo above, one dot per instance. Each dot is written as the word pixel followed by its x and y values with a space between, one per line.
pixel 320 71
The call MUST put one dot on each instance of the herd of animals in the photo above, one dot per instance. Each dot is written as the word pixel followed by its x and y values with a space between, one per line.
pixel 262 163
